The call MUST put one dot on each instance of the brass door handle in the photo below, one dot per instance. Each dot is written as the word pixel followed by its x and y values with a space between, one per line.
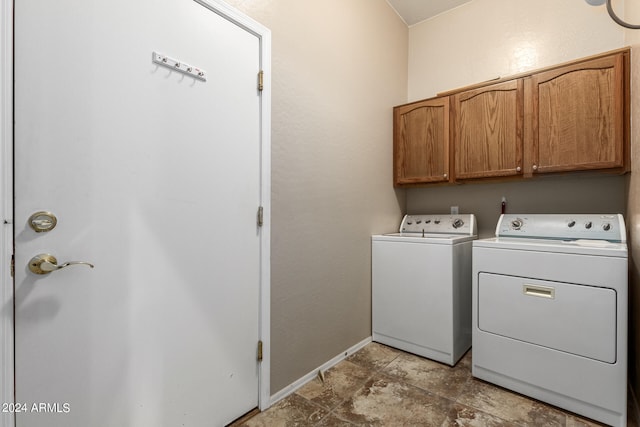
pixel 46 263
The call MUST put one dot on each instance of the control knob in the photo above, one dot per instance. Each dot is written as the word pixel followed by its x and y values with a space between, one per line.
pixel 571 223
pixel 437 221
pixel 588 225
pixel 606 226
pixel 457 223
pixel 516 224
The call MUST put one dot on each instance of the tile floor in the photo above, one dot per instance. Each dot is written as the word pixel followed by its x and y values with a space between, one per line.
pixel 382 386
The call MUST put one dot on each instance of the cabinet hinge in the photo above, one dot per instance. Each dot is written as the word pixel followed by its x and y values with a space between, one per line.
pixel 260 216
pixel 260 80
pixel 13 265
pixel 260 351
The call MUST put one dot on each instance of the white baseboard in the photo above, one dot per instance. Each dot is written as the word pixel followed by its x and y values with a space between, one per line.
pixel 291 388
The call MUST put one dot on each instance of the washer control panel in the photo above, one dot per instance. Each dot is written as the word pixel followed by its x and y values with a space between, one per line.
pixel 464 224
pixel 608 227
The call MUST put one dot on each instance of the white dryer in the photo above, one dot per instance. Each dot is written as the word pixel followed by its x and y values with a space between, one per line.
pixel 421 286
pixel 550 311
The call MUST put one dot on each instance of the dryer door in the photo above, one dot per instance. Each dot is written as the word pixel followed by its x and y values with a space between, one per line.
pixel 572 318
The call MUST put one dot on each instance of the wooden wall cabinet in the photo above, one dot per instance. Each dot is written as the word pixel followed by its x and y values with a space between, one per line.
pixel 421 142
pixel 488 130
pixel 571 117
pixel 579 116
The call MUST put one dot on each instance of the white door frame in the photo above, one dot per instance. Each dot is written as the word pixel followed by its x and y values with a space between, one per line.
pixel 6 198
pixel 6 208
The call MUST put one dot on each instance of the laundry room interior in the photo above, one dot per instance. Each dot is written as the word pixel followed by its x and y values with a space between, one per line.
pixel 339 67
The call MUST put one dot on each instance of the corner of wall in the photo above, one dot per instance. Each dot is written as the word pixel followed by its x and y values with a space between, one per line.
pixel 632 38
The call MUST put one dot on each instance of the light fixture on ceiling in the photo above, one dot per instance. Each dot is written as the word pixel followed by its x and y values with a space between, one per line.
pixel 612 14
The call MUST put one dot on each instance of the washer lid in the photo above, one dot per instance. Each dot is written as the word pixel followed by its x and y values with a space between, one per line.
pixel 433 239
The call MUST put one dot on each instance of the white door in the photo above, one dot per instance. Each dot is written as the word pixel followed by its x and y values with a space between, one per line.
pixel 154 178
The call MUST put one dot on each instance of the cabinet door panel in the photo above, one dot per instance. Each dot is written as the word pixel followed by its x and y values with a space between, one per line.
pixel 421 142
pixel 488 131
pixel 578 116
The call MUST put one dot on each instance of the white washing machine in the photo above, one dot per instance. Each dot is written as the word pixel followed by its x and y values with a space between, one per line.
pixel 421 286
pixel 550 311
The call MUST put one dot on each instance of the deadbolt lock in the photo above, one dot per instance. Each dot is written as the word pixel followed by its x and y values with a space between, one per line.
pixel 43 221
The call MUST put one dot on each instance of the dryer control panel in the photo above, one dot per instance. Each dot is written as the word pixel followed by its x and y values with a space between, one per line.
pixel 609 227
pixel 463 224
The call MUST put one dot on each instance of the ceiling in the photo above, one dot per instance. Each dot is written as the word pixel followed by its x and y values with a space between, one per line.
pixel 414 11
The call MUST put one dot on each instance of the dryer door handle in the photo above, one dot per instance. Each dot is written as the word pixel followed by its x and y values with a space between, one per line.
pixel 539 291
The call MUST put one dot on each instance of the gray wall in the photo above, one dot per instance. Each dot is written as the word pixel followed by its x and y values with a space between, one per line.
pixel 565 194
pixel 339 66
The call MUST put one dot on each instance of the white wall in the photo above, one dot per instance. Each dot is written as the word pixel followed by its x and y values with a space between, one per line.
pixel 339 66
pixel 485 39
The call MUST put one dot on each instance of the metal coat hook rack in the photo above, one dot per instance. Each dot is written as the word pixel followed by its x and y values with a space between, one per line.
pixel 179 66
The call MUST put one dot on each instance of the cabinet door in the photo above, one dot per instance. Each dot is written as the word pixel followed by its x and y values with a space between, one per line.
pixel 421 142
pixel 578 116
pixel 488 130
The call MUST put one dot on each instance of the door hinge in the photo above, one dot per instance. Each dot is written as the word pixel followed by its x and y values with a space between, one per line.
pixel 260 351
pixel 260 216
pixel 260 80
pixel 13 265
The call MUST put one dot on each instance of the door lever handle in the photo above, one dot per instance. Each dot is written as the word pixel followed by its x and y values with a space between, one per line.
pixel 46 263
